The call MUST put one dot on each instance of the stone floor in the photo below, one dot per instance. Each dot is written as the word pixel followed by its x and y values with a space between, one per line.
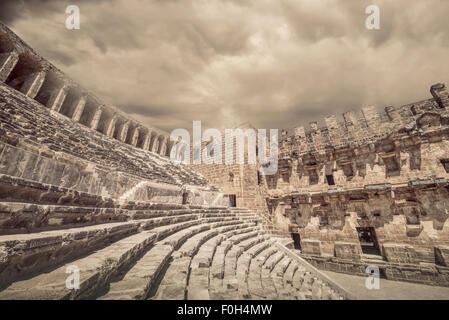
pixel 389 290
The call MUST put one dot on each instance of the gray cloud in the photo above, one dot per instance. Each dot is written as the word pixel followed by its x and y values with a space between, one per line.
pixel 272 63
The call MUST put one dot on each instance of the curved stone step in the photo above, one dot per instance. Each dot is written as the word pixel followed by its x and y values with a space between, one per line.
pixel 266 276
pixel 137 282
pixel 95 270
pixel 230 281
pixel 277 276
pixel 25 254
pixel 199 271
pixel 255 271
pixel 243 266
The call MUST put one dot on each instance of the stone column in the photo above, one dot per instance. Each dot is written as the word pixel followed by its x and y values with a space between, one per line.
pixel 123 131
pixel 135 136
pixel 110 127
pixel 96 118
pixel 7 63
pixel 32 84
pixel 79 108
pixel 163 147
pixel 155 144
pixel 57 98
pixel 146 142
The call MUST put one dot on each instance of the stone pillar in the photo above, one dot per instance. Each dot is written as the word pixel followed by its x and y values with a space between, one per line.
pixel 110 127
pixel 163 147
pixel 33 83
pixel 79 107
pixel 7 63
pixel 123 131
pixel 155 144
pixel 96 118
pixel 135 136
pixel 57 98
pixel 146 142
pixel 440 94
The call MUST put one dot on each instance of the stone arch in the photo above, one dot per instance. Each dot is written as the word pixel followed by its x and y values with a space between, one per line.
pixel 69 104
pixel 105 119
pixel 52 83
pixel 118 126
pixel 131 130
pixel 25 67
pixel 89 111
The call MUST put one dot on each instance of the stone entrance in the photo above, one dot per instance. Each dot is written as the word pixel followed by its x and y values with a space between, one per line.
pixel 368 240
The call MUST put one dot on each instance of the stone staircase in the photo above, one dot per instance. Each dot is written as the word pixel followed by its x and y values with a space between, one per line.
pixel 267 225
pixel 177 252
pixel 66 215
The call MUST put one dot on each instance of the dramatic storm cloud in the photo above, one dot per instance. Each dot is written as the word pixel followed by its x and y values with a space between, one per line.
pixel 273 63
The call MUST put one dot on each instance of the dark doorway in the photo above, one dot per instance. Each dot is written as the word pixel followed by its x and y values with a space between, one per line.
pixel 296 241
pixel 368 240
pixel 330 179
pixel 185 197
pixel 232 201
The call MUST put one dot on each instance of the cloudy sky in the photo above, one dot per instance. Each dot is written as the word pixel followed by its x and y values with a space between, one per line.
pixel 273 63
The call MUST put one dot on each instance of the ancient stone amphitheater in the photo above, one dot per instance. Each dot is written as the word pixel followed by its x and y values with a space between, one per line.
pixel 84 186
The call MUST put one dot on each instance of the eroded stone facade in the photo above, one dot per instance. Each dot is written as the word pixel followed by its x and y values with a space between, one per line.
pixel 371 189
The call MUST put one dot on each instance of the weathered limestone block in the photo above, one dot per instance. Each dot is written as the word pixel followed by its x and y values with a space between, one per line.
pixel 413 230
pixel 335 133
pixel 442 255
pixel 347 250
pixel 7 63
pixel 395 116
pixel 371 116
pixel 399 253
pixel 440 94
pixel 311 247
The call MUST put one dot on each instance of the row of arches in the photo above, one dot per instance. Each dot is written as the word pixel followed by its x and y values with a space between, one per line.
pixel 26 73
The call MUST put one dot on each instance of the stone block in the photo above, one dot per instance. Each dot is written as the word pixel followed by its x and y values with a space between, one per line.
pixel 312 247
pixel 442 255
pixel 399 253
pixel 347 250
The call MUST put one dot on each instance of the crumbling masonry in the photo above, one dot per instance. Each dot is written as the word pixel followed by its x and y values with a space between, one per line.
pixel 86 189
pixel 85 186
pixel 371 190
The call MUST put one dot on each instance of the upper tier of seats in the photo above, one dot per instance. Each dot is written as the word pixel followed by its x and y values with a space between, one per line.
pixel 26 71
pixel 177 252
pixel 29 126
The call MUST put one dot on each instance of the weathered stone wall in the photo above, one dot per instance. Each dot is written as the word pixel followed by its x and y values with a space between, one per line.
pixel 23 69
pixel 54 132
pixel 388 172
